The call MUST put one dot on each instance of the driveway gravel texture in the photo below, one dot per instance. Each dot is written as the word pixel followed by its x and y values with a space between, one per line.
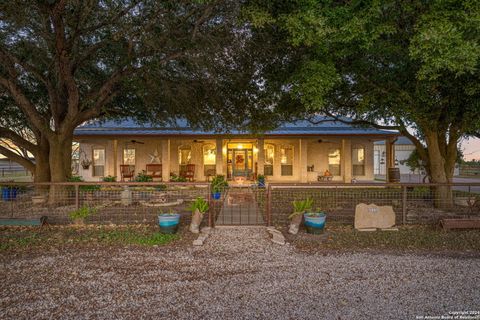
pixel 238 274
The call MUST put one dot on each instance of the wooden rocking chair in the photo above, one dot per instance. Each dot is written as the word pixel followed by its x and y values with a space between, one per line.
pixel 127 171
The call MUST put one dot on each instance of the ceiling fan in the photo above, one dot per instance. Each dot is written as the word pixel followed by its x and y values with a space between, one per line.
pixel 136 141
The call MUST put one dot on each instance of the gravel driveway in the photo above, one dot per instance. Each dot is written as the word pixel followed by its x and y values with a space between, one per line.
pixel 237 274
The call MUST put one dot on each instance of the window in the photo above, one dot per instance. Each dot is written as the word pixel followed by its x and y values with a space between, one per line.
pixel 334 161
pixel 269 151
pixel 129 156
pixel 98 162
pixel 286 160
pixel 358 160
pixel 209 159
pixel 184 155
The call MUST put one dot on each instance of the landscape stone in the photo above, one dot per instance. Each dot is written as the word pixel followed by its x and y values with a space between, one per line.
pixel 373 216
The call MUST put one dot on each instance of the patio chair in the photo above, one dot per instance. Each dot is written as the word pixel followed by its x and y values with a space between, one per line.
pixel 154 171
pixel 189 172
pixel 127 171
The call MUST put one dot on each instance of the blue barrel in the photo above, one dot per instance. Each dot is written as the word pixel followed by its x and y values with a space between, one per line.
pixel 9 193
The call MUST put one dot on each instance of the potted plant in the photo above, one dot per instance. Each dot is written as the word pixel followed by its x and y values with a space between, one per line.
pixel 86 164
pixel 143 177
pixel 299 208
pixel 261 181
pixel 168 222
pixel 78 216
pixel 218 185
pixel 109 179
pixel 198 208
pixel 315 221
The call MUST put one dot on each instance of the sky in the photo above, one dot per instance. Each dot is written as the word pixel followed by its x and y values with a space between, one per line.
pixel 471 149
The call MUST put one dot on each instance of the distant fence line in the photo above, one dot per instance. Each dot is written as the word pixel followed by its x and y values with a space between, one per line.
pixel 140 202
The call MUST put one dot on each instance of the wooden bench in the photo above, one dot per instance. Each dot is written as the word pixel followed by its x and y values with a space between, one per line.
pixel 24 222
pixel 460 223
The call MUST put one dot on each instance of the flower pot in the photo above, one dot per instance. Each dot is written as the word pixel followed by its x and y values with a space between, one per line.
pixel 295 223
pixel 168 222
pixel 261 183
pixel 196 221
pixel 315 223
pixel 9 193
pixel 216 195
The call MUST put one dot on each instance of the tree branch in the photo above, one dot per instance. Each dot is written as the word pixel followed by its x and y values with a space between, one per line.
pixel 18 140
pixel 28 164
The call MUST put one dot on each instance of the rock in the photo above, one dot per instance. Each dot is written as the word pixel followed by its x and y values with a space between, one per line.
pixel 206 230
pixel 293 229
pixel 194 228
pixel 373 216
pixel 198 242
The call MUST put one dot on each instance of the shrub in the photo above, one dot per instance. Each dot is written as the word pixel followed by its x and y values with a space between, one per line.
pixel 199 204
pixel 82 213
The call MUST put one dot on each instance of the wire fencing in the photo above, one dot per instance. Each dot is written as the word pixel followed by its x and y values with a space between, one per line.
pixel 136 202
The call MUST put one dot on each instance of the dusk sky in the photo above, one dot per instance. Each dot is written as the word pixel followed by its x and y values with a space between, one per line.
pixel 471 149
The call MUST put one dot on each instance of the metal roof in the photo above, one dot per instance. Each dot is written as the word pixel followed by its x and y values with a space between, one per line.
pixel 400 140
pixel 129 127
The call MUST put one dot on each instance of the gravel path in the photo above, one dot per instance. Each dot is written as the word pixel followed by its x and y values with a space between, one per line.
pixel 237 274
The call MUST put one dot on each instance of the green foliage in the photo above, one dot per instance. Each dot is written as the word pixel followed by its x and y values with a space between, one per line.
pixel 301 206
pixel 109 179
pixel 83 187
pixel 82 213
pixel 316 213
pixel 175 178
pixel 199 204
pixel 143 177
pixel 219 184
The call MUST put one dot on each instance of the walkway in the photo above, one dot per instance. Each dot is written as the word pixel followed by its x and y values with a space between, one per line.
pixel 240 207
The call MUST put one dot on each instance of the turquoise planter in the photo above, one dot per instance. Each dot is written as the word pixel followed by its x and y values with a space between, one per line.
pixel 315 224
pixel 169 223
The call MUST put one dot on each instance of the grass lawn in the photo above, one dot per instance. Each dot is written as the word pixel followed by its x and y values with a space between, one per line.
pixel 407 238
pixel 22 238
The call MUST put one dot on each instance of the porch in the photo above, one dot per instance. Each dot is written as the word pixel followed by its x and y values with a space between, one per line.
pixel 293 160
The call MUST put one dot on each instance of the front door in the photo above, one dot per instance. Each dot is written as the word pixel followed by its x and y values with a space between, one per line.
pixel 240 163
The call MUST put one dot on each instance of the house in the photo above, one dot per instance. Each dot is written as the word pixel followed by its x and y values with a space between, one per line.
pixel 403 148
pixel 297 151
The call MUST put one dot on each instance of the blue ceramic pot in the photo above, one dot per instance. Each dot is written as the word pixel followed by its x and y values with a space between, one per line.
pixel 261 183
pixel 9 194
pixel 315 223
pixel 216 195
pixel 169 222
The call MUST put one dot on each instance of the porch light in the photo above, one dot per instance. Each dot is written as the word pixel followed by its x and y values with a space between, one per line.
pixel 382 161
pixel 396 162
pixel 240 146
pixel 255 150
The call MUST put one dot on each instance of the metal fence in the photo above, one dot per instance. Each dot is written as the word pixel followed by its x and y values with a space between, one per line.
pixel 135 202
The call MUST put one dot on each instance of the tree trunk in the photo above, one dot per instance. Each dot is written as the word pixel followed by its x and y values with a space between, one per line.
pixel 42 166
pixel 439 171
pixel 60 165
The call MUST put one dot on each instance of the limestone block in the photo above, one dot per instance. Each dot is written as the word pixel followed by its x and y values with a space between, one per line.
pixel 373 216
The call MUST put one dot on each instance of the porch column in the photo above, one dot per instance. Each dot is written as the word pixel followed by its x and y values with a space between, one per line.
pixel 166 160
pixel 303 175
pixel 346 160
pixel 115 155
pixel 219 157
pixel 261 156
pixel 390 155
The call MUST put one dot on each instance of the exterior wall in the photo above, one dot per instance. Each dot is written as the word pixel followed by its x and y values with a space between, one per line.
pixel 402 152
pixel 306 152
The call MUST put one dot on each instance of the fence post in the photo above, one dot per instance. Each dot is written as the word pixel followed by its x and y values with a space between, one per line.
pixel 211 211
pixel 269 206
pixel 76 197
pixel 404 205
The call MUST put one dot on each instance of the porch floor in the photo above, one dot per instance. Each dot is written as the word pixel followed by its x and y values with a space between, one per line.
pixel 240 208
